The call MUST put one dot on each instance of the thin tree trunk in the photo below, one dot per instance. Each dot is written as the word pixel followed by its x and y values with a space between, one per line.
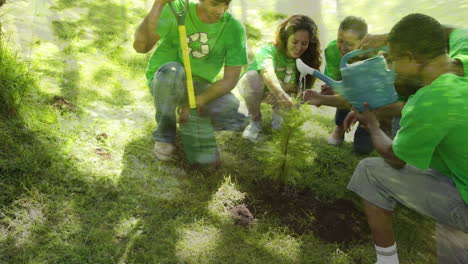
pixel 339 11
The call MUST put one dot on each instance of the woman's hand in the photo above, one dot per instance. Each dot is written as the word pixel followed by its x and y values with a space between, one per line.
pixel 312 97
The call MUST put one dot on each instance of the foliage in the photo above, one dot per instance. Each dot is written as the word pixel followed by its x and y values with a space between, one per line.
pixel 66 30
pixel 15 80
pixel 339 257
pixel 287 152
pixel 272 16
pixel 252 32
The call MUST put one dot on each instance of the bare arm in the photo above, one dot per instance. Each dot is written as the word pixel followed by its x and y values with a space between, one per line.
pixel 272 82
pixel 314 98
pixel 390 110
pixel 221 87
pixel 145 35
pixel 382 143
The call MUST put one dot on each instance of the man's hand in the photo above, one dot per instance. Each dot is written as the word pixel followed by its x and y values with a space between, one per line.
pixel 326 90
pixel 349 121
pixel 312 97
pixel 183 112
pixel 374 41
pixel 367 118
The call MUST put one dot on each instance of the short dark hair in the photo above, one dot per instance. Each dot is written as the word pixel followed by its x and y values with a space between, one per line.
pixel 354 23
pixel 419 34
pixel 227 2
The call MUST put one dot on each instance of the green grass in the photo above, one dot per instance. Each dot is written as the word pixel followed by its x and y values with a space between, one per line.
pixel 61 202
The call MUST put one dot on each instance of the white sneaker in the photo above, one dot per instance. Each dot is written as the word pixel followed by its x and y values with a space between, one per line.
pixel 337 137
pixel 276 120
pixel 335 142
pixel 163 151
pixel 252 130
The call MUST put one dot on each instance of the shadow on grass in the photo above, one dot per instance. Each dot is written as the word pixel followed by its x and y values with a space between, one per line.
pixel 55 211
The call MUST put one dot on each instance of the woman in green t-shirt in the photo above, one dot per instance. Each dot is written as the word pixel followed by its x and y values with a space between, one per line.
pixel 272 75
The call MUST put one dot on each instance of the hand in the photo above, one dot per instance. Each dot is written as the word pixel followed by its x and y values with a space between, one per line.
pixel 282 98
pixel 183 112
pixel 367 118
pixel 312 98
pixel 374 41
pixel 349 121
pixel 326 90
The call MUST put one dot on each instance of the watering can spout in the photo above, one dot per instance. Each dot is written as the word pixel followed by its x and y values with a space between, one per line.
pixel 304 69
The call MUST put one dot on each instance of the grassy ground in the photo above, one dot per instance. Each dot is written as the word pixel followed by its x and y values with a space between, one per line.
pixel 78 183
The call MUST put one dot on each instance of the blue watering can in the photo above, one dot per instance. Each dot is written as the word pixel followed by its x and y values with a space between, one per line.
pixel 365 81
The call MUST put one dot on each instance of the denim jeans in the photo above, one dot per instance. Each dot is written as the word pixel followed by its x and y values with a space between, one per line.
pixel 169 90
pixel 362 140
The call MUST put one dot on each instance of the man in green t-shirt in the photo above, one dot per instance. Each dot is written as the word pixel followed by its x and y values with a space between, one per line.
pixel 457 41
pixel 425 166
pixel 215 40
pixel 350 34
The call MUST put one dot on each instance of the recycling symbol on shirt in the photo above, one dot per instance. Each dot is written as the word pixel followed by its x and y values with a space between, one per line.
pixel 288 74
pixel 198 45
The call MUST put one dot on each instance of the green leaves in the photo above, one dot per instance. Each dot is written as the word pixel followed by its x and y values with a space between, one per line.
pixel 287 152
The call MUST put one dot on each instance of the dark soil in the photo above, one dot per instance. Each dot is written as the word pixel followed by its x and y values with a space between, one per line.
pixel 62 104
pixel 303 212
pixel 241 215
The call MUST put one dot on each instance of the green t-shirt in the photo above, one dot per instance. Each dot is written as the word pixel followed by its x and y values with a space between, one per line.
pixel 285 67
pixel 434 129
pixel 333 59
pixel 210 45
pixel 458 43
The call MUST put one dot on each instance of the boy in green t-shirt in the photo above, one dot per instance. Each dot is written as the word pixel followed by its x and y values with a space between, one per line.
pixel 425 167
pixel 215 40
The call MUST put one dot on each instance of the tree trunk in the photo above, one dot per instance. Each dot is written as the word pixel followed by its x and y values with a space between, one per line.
pixel 244 11
pixel 339 11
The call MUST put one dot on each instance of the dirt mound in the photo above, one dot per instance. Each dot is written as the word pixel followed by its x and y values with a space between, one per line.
pixel 303 212
pixel 242 215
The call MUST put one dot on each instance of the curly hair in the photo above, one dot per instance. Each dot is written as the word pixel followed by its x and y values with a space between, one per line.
pixel 311 56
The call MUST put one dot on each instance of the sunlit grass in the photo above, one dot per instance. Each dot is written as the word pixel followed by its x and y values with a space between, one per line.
pixel 197 243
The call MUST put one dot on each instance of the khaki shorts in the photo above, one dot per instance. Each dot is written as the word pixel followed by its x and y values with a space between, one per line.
pixel 425 191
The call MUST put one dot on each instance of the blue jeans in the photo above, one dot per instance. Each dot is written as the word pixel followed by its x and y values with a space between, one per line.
pixel 362 140
pixel 169 90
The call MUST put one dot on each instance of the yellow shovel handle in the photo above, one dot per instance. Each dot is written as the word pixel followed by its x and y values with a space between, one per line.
pixel 188 69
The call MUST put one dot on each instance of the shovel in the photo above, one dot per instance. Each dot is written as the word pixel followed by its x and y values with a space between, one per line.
pixel 197 132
